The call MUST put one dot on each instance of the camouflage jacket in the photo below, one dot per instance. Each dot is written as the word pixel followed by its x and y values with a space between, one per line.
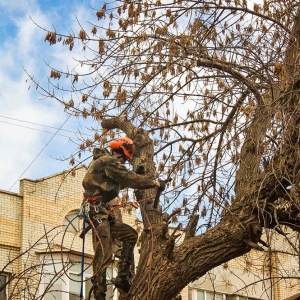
pixel 106 176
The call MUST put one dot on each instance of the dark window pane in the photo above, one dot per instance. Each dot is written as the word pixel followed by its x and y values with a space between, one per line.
pixel 2 287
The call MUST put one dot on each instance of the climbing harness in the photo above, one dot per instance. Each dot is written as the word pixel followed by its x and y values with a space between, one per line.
pixel 98 210
pixel 95 211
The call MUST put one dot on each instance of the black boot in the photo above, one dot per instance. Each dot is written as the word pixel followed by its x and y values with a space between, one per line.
pixel 122 281
pixel 99 286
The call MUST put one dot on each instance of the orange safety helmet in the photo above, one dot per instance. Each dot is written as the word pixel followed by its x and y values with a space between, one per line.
pixel 126 144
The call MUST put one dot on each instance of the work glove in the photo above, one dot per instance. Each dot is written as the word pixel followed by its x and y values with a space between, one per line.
pixel 140 170
pixel 162 186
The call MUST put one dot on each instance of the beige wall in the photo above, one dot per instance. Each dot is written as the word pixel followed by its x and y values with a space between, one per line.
pixel 32 222
pixel 10 232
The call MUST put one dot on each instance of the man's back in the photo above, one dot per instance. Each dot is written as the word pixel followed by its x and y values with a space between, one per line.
pixel 95 181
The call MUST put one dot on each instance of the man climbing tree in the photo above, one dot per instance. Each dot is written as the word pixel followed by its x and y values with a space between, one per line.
pixel 105 177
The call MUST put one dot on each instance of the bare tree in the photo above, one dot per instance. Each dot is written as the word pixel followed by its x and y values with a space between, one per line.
pixel 210 92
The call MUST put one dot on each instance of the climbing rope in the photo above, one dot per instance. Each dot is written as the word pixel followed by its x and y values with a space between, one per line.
pixel 82 255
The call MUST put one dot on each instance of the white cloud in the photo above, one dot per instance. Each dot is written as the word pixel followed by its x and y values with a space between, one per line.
pixel 17 5
pixel 24 47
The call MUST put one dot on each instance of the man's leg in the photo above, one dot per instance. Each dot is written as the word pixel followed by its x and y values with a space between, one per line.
pixel 123 280
pixel 128 236
pixel 102 259
pixel 99 285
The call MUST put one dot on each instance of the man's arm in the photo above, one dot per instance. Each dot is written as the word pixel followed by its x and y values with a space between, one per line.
pixel 127 178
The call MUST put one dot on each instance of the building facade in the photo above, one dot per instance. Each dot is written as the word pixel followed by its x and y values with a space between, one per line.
pixel 41 252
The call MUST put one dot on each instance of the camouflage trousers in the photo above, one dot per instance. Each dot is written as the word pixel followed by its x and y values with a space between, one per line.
pixel 108 230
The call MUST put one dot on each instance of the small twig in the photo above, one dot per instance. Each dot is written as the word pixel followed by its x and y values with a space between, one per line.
pixel 253 245
pixel 175 212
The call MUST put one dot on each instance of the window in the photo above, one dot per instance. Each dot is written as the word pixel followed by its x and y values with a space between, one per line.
pixel 53 285
pixel 55 290
pixel 3 287
pixel 195 294
pixel 72 222
pixel 214 296
pixel 63 282
pixel 75 284
pixel 200 295
pixel 235 297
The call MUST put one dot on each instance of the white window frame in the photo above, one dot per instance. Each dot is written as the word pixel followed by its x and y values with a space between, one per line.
pixel 240 297
pixel 88 275
pixel 85 277
pixel 49 270
pixel 73 223
pixel 195 296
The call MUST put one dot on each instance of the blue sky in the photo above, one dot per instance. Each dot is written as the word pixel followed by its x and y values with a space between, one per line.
pixel 35 134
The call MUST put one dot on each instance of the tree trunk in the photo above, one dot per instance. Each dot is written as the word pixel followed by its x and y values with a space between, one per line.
pixel 160 277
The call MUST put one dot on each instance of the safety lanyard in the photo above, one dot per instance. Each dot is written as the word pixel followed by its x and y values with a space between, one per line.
pixel 82 256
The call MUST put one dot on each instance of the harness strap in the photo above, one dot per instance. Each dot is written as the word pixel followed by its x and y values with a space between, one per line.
pixel 133 203
pixel 96 197
pixel 82 256
pixel 93 201
pixel 87 229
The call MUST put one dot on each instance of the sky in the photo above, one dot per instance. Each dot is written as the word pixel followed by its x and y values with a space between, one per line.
pixel 36 135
